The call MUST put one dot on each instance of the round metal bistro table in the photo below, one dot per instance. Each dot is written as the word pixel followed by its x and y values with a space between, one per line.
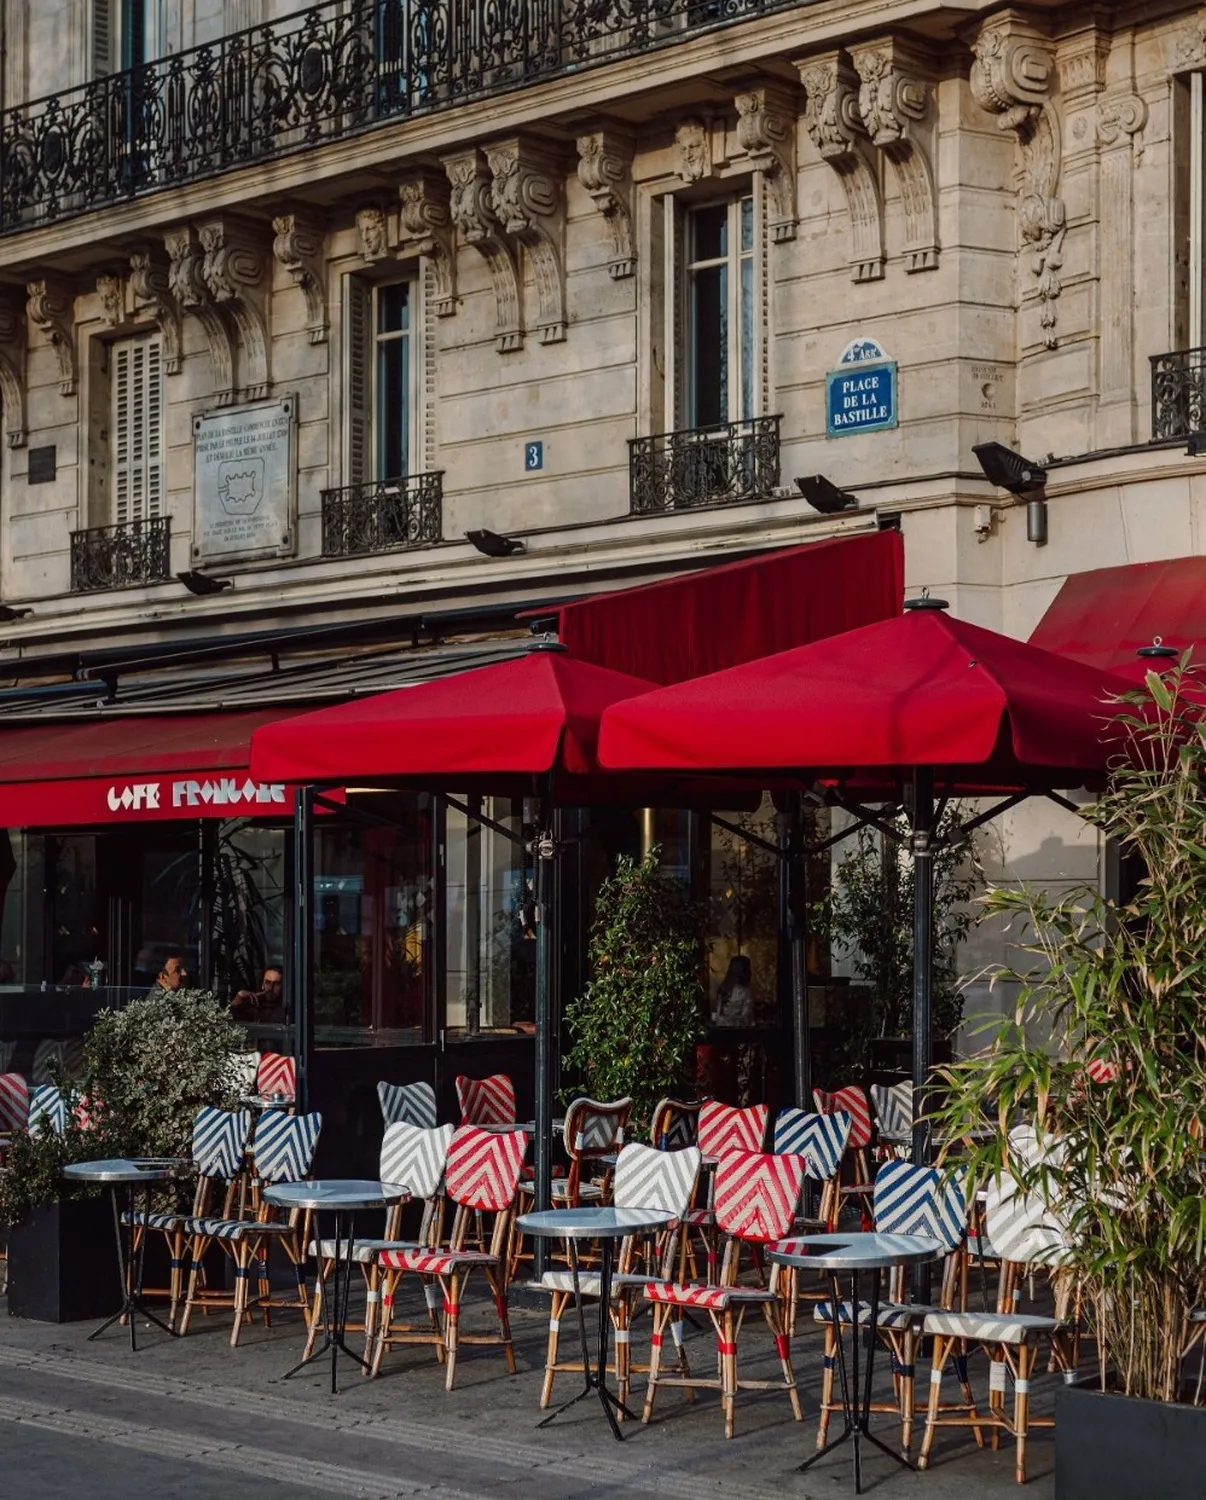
pixel 129 1174
pixel 342 1198
pixel 607 1225
pixel 854 1255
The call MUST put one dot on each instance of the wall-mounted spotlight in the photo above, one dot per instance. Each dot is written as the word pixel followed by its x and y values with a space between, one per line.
pixel 1197 444
pixel 823 495
pixel 9 612
pixel 493 544
pixel 202 583
pixel 1010 471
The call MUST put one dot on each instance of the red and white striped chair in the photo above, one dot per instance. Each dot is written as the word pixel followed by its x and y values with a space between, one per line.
pixel 14 1103
pixel 486 1101
pixel 481 1176
pixel 755 1201
pixel 852 1100
pixel 276 1076
pixel 723 1128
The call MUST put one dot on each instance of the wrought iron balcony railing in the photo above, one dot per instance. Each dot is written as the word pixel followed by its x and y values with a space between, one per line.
pixel 703 466
pixel 1178 393
pixel 383 516
pixel 118 557
pixel 320 74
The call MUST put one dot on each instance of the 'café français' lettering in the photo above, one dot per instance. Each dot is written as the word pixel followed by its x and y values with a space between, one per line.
pixel 217 791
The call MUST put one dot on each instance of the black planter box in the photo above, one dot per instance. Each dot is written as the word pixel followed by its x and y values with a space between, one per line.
pixel 62 1263
pixel 1110 1447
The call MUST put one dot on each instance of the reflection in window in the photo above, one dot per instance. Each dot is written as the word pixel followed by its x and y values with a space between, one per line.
pixel 743 926
pixel 491 950
pixel 249 905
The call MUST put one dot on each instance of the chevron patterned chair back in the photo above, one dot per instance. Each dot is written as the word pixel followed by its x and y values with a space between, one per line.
pixel 14 1102
pixel 47 1109
pixel 893 1105
pixel 920 1200
pixel 724 1128
pixel 415 1157
pixel 1022 1228
pixel 220 1139
pixel 851 1100
pixel 674 1124
pixel 663 1180
pixel 407 1103
pixel 276 1074
pixel 483 1168
pixel 284 1145
pixel 820 1139
pixel 486 1101
pixel 756 1194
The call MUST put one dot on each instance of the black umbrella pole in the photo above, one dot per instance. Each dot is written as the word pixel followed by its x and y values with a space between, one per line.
pixel 545 854
pixel 923 955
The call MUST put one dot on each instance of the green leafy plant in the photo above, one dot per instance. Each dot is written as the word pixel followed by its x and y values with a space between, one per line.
pixel 35 1162
pixel 635 1024
pixel 1104 1052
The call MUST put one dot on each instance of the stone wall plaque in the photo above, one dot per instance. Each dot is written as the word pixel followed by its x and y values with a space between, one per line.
pixel 245 482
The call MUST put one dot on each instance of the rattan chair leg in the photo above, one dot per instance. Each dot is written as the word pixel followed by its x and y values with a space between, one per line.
pixel 452 1318
pixel 942 1349
pixel 661 1316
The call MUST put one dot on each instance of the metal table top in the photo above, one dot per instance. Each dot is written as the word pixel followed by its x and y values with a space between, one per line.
pixel 592 1223
pixel 123 1169
pixel 337 1192
pixel 854 1252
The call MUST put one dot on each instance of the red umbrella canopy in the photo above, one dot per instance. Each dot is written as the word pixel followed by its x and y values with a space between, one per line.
pixel 919 689
pixel 539 712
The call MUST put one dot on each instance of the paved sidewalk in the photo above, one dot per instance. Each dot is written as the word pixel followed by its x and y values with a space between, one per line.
pixel 193 1419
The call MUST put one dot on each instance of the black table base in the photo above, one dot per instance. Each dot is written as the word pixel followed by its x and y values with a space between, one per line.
pixel 334 1307
pixel 855 1411
pixel 129 1267
pixel 595 1379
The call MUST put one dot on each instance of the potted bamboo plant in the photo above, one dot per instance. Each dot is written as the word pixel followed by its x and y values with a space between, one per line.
pixel 1105 1051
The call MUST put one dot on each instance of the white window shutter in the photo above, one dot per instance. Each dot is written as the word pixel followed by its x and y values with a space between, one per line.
pixel 359 383
pixel 101 42
pixel 137 375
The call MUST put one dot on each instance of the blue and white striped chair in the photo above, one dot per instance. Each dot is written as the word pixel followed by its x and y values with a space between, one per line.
pixel 822 1141
pixel 408 1104
pixel 47 1110
pixel 907 1200
pixel 282 1151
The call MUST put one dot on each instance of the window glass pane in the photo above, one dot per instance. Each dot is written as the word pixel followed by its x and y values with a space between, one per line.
pixel 747 224
pixel 710 232
pixel 708 347
pixel 743 930
pixel 393 307
pixel 249 905
pixel 393 407
pixel 747 337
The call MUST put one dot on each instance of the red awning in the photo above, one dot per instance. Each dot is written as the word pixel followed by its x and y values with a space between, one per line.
pixel 703 622
pixel 922 689
pixel 135 770
pixel 1104 616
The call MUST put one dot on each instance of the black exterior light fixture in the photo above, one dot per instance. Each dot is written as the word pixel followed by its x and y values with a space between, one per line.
pixel 1196 446
pixel 494 544
pixel 10 612
pixel 1010 471
pixel 201 583
pixel 823 495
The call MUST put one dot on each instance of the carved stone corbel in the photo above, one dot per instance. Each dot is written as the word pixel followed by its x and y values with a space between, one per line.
pixel 1189 45
pixel 298 246
pixel 425 225
pixel 112 293
pixel 471 205
pixel 51 309
pixel 151 297
pixel 894 102
pixel 693 138
pixel 13 331
pixel 1119 116
pixel 1011 77
pixel 186 258
pixel 233 272
pixel 605 171
pixel 529 201
pixel 832 120
pixel 372 230
pixel 766 129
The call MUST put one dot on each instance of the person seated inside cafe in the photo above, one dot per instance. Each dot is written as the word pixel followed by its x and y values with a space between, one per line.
pixel 170 977
pixel 266 1005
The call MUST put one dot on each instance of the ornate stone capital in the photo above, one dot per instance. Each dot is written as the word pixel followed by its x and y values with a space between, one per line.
pixel 51 308
pixel 186 283
pixel 1013 69
pixel 894 104
pixel 832 120
pixel 112 293
pixel 529 202
pixel 1120 116
pixel 1189 45
pixel 150 294
pixel 425 225
pixel 1081 62
pixel 13 338
pixel 233 272
pixel 471 206
pixel 605 171
pixel 372 230
pixel 766 129
pixel 693 137
pixel 298 246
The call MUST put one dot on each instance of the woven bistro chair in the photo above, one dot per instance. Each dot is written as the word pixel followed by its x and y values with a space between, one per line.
pixel 1025 1231
pixel 481 1176
pixel 593 1131
pixel 282 1150
pixel 644 1178
pixel 413 1158
pixel 820 1142
pixel 47 1110
pixel 755 1200
pixel 893 1107
pixel 851 1100
pixel 407 1104
pixel 723 1128
pixel 486 1101
pixel 907 1200
pixel 276 1076
pixel 675 1124
pixel 14 1106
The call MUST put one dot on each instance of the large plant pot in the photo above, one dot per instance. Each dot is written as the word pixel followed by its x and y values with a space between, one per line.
pixel 1110 1447
pixel 62 1263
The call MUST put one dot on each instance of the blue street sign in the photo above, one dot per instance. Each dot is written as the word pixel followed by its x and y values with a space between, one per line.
pixel 533 456
pixel 860 397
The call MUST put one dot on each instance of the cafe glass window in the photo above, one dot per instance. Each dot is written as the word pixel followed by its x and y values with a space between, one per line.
pixel 743 925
